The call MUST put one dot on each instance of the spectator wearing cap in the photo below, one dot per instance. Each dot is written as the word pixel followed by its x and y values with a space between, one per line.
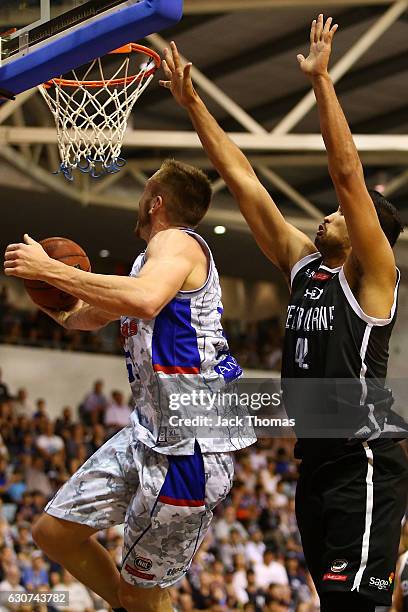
pixel 35 575
pixel 270 571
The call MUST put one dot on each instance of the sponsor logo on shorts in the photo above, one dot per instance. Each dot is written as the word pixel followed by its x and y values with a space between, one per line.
pixel 134 572
pixel 143 564
pixel 380 584
pixel 391 578
pixel 335 577
pixel 338 565
pixel 173 571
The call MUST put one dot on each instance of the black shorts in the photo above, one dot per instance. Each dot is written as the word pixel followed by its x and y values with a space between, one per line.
pixel 349 512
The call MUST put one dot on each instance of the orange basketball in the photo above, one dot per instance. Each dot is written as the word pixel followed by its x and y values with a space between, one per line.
pixel 69 253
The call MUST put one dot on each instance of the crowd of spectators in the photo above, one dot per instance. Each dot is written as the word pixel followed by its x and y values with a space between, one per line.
pixel 255 345
pixel 252 559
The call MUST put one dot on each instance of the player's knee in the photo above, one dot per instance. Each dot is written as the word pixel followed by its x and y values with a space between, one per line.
pixel 54 535
pixel 135 598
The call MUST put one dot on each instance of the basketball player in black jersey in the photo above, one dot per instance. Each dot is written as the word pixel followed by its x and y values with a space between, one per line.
pixel 352 489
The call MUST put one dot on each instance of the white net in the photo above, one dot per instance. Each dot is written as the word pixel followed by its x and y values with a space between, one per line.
pixel 92 113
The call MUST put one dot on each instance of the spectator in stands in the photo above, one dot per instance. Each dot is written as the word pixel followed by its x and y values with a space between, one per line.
pixel 35 476
pixel 49 443
pixel 41 410
pixel 228 523
pixel 78 595
pixel 35 575
pixel 98 438
pixel 117 413
pixel 270 571
pixel 269 477
pixel 255 547
pixel 11 581
pixel 65 422
pixel 94 405
pixel 4 392
pixel 22 405
pixel 4 454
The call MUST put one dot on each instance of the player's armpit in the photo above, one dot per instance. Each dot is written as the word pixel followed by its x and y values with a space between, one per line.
pixel 173 259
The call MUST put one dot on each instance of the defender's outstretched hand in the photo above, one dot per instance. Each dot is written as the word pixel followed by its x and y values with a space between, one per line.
pixel 321 38
pixel 178 78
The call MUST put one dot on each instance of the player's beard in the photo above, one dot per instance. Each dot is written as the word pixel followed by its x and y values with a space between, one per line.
pixel 329 246
pixel 143 223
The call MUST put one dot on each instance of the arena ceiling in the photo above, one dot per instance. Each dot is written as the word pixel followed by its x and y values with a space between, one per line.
pixel 246 70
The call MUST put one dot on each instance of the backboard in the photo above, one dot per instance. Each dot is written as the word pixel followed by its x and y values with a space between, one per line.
pixel 54 36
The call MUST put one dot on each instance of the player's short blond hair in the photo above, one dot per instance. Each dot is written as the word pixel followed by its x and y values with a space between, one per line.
pixel 186 191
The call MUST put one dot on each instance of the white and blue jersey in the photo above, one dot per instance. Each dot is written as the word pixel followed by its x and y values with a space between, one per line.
pixel 182 374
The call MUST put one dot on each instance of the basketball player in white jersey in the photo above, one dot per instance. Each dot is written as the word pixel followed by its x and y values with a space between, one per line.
pixel 161 479
pixel 352 489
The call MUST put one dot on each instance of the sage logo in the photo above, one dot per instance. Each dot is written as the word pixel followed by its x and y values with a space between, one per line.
pixel 143 564
pixel 381 585
pixel 339 565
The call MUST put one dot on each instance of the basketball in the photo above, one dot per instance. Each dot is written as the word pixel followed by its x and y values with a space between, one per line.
pixel 69 253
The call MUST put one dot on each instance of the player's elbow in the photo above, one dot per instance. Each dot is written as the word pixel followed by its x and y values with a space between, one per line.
pixel 347 171
pixel 146 309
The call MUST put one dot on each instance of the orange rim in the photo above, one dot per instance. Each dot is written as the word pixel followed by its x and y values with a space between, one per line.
pixel 130 48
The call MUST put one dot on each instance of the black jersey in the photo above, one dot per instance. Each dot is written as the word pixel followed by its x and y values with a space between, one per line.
pixel 403 581
pixel 334 362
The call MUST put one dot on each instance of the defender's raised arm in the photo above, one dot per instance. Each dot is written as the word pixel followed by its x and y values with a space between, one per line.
pixel 282 243
pixel 371 249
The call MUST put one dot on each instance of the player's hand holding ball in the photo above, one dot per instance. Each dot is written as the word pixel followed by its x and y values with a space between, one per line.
pixel 178 78
pixel 321 38
pixel 25 260
pixel 30 260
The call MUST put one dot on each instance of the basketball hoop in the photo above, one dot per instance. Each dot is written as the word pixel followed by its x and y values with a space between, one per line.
pixel 91 114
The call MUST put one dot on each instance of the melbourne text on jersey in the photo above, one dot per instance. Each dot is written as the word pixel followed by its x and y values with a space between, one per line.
pixel 315 318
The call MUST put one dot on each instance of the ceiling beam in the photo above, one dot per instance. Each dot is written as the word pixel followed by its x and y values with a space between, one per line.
pixel 289 160
pixel 152 139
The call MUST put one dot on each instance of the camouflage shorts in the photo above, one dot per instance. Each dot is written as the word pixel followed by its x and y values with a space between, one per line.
pixel 165 502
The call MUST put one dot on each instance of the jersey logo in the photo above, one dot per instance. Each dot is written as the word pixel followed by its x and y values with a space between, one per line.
pixel 321 276
pixel 314 294
pixel 128 329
